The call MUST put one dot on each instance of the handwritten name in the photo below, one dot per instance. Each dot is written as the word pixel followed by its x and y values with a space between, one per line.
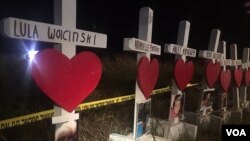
pixel 30 30
pixel 141 46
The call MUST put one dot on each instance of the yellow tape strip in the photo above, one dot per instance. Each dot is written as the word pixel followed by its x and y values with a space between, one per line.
pixel 8 123
pixel 104 102
pixel 17 121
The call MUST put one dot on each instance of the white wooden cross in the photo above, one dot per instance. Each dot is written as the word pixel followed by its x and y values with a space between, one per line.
pixel 224 62
pixel 144 47
pixel 235 64
pixel 181 50
pixel 245 67
pixel 212 55
pixel 64 33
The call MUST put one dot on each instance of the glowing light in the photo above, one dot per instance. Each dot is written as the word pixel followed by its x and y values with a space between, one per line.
pixel 31 54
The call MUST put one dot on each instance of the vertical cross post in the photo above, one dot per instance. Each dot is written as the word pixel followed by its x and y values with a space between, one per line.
pixel 223 49
pixel 224 63
pixel 64 15
pixel 245 67
pixel 143 47
pixel 235 63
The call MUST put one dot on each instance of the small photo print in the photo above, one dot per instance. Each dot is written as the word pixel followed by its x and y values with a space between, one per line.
pixel 224 100
pixel 207 99
pixel 144 112
pixel 67 132
pixel 140 129
pixel 177 106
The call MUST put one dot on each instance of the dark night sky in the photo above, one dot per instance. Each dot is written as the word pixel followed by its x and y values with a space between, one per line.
pixel 119 19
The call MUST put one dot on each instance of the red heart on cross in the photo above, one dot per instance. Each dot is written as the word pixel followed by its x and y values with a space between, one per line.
pixel 65 81
pixel 247 77
pixel 225 80
pixel 238 74
pixel 212 73
pixel 183 73
pixel 147 75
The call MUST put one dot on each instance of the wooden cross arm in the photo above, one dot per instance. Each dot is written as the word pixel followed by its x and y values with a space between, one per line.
pixel 236 62
pixel 245 65
pixel 226 62
pixel 133 44
pixel 179 50
pixel 210 55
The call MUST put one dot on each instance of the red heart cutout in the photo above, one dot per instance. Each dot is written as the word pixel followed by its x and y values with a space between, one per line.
pixel 147 75
pixel 66 82
pixel 225 80
pixel 183 73
pixel 247 77
pixel 212 73
pixel 238 74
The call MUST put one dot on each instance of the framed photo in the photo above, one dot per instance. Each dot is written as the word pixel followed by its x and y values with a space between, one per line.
pixel 144 112
pixel 223 100
pixel 67 132
pixel 207 99
pixel 177 106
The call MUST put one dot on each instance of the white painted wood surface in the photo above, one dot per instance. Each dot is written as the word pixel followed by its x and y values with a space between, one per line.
pixel 182 44
pixel 243 88
pixel 236 90
pixel 133 44
pixel 38 31
pixel 143 47
pixel 177 49
pixel 222 49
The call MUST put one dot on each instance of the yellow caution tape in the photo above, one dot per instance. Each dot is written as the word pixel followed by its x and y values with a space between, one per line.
pixel 8 123
pixel 104 102
pixel 17 121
